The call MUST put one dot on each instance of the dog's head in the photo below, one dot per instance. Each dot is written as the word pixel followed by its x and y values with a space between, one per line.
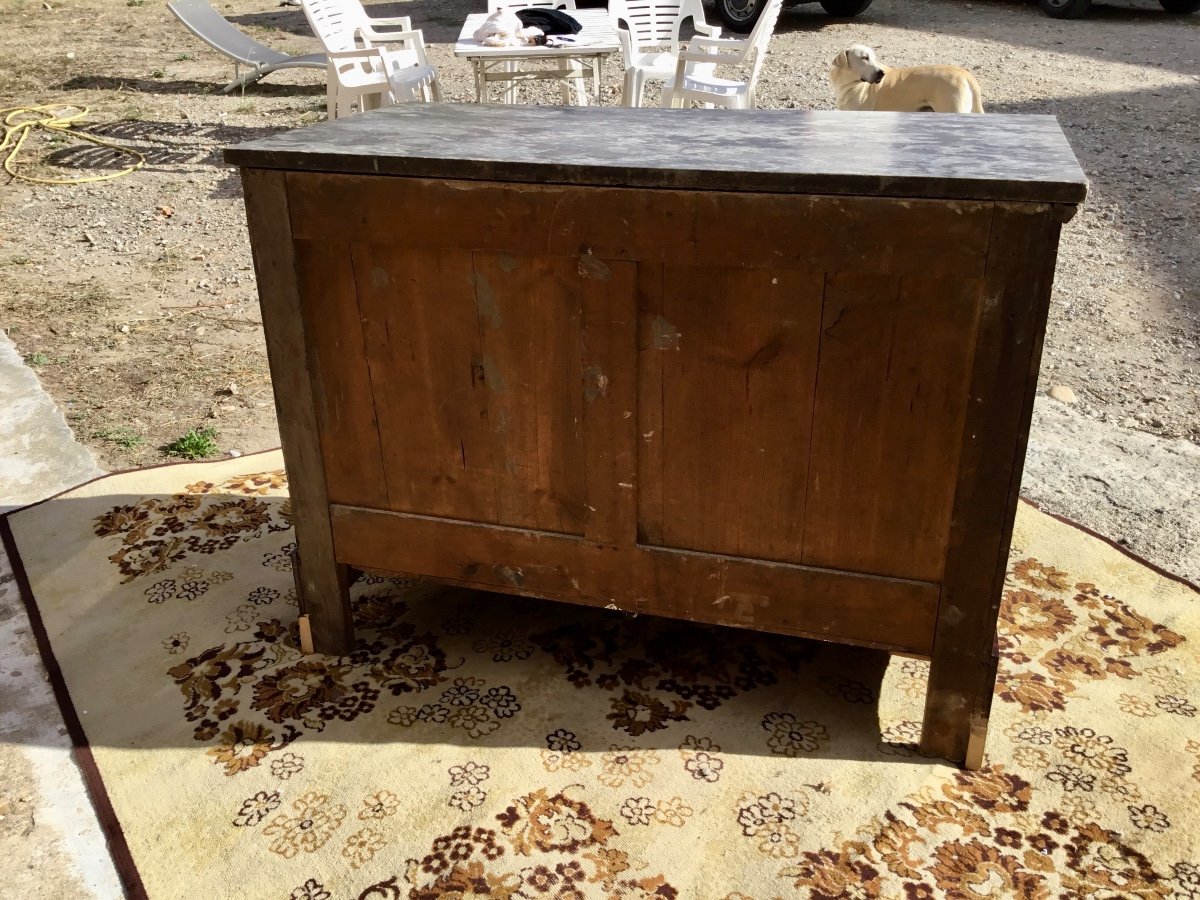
pixel 859 61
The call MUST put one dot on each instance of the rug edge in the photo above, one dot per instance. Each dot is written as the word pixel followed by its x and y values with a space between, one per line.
pixel 81 750
pixel 166 465
pixel 1137 558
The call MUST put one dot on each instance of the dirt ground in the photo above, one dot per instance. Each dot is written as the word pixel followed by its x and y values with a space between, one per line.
pixel 135 299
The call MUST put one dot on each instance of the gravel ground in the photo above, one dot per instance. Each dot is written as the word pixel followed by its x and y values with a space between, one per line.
pixel 135 299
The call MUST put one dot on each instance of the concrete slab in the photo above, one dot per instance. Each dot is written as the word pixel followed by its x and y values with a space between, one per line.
pixel 51 845
pixel 39 455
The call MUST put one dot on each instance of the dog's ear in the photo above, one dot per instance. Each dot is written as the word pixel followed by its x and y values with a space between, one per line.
pixel 840 60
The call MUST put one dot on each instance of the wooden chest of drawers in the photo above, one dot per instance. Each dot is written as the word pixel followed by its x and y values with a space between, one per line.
pixel 769 370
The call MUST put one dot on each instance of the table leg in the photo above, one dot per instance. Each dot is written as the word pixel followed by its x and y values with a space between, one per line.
pixel 480 82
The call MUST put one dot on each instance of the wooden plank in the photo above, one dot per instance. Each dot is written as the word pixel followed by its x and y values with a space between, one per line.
pixel 736 401
pixel 429 378
pixel 345 404
pixel 1021 258
pixel 891 398
pixel 702 587
pixel 609 361
pixel 323 595
pixel 654 340
pixel 683 227
pixel 528 310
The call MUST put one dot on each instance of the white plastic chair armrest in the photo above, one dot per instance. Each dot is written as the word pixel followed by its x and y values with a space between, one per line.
pixel 357 53
pixel 405 22
pixel 629 45
pixel 395 37
pixel 723 51
pixel 712 31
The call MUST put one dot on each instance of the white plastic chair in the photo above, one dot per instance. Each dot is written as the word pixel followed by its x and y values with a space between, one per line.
pixel 693 84
pixel 646 24
pixel 362 74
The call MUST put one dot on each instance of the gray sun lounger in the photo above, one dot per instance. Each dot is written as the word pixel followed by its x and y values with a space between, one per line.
pixel 215 30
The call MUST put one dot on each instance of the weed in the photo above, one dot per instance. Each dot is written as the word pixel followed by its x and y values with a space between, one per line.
pixel 135 2
pixel 158 73
pixel 16 261
pixel 184 57
pixel 38 358
pixel 130 113
pixel 196 444
pixel 122 436
pixel 245 108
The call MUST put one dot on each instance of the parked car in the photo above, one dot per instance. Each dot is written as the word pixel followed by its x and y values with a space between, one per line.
pixel 740 15
pixel 1073 9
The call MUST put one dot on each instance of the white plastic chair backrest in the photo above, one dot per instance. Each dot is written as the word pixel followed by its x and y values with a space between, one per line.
pixel 655 23
pixel 494 5
pixel 335 23
pixel 760 37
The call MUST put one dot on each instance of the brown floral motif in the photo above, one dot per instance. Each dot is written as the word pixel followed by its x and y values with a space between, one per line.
pixel 540 823
pixel 990 789
pixel 362 846
pixel 636 713
pixel 1100 866
pixel 313 692
pixel 791 737
pixel 260 484
pixel 311 890
pixel 257 808
pixel 469 880
pixel 1084 747
pixel 935 815
pixel 157 532
pixel 1040 576
pixel 459 845
pixel 314 821
pixel 621 765
pixel 965 870
pixel 759 815
pixel 1032 690
pixel 383 890
pixel 379 805
pixel 1030 614
pixel 242 746
pixel 702 667
pixel 835 874
pixel 1122 632
pixel 893 843
pixel 652 888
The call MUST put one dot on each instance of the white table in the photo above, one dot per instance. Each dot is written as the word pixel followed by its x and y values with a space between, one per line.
pixel 595 41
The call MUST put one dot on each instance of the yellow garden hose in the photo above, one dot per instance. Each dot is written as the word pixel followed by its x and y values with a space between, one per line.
pixel 19 121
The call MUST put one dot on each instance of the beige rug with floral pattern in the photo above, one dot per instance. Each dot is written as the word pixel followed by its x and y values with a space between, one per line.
pixel 485 746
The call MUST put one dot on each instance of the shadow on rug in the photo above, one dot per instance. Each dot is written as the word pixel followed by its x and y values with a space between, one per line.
pixel 477 745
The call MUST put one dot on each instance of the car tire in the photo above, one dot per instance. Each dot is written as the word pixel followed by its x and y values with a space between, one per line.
pixel 1180 6
pixel 739 16
pixel 844 9
pixel 1065 9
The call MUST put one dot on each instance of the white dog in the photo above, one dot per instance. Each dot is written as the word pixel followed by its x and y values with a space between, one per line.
pixel 503 29
pixel 861 83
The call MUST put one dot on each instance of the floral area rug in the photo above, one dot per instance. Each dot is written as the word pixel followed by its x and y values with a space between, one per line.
pixel 483 746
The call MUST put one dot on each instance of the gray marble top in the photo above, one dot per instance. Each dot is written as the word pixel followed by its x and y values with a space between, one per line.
pixel 986 157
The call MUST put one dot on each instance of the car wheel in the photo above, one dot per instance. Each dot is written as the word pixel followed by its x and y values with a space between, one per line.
pixel 739 15
pixel 1180 6
pixel 1064 9
pixel 844 9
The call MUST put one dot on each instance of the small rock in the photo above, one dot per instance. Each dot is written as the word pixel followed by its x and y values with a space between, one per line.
pixel 124 329
pixel 200 331
pixel 1062 393
pixel 235 453
pixel 1129 422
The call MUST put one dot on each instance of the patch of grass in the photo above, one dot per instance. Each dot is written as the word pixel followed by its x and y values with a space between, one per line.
pixel 245 108
pixel 131 113
pixel 184 57
pixel 37 358
pixel 123 437
pixel 158 73
pixel 196 444
pixel 135 2
pixel 16 261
